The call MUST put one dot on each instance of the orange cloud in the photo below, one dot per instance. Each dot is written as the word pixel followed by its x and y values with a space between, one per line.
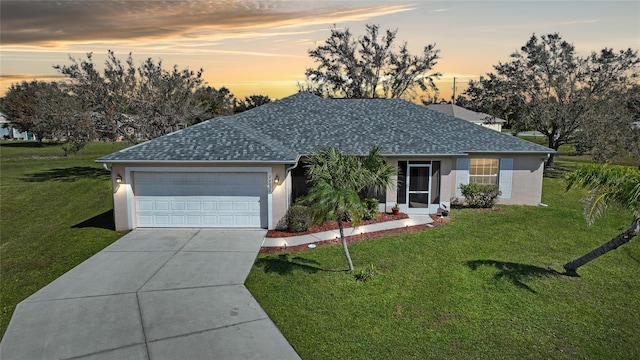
pixel 54 24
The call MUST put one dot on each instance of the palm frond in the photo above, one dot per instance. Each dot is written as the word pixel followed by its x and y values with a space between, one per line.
pixel 608 185
pixel 595 206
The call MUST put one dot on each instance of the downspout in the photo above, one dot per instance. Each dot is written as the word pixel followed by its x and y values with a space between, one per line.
pixel 113 190
pixel 286 174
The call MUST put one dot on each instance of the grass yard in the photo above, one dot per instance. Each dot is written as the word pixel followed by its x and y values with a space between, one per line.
pixel 485 286
pixel 489 285
pixel 55 212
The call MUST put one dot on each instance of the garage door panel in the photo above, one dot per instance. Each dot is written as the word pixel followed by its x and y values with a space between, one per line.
pixel 161 219
pixel 226 220
pixel 209 205
pixel 178 205
pixel 210 220
pixel 145 205
pixel 178 220
pixel 241 206
pixel 194 205
pixel 225 205
pixel 193 220
pixel 243 220
pixel 160 205
pixel 145 219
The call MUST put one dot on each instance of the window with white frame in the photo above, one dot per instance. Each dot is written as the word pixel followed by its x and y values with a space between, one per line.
pixel 483 171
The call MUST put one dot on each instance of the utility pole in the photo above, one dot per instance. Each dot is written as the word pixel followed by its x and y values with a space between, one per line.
pixel 453 97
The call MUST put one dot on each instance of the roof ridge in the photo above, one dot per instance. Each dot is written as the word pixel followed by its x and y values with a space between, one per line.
pixel 293 126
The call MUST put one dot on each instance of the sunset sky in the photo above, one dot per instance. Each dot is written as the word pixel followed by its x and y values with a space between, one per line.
pixel 260 47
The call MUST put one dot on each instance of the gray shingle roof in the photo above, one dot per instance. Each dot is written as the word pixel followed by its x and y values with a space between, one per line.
pixel 297 125
pixel 465 114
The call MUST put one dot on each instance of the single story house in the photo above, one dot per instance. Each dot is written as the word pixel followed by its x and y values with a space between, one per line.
pixel 7 131
pixel 478 118
pixel 245 170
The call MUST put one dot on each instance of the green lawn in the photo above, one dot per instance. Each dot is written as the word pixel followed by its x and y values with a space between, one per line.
pixel 55 212
pixel 489 285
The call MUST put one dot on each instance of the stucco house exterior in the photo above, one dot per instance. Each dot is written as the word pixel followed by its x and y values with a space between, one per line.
pixel 478 118
pixel 246 169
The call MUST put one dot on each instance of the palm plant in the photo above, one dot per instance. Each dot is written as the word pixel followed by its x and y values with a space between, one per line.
pixel 381 174
pixel 608 186
pixel 337 181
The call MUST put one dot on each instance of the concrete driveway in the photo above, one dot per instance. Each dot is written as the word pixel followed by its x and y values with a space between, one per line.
pixel 153 294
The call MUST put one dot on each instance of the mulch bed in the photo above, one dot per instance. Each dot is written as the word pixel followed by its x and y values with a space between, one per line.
pixel 437 221
pixel 333 225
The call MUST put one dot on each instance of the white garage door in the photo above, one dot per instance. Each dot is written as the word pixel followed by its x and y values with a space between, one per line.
pixel 200 199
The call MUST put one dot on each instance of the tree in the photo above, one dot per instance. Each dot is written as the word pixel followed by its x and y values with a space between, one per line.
pixel 551 89
pixel 251 102
pixel 369 67
pixel 32 106
pixel 135 103
pixel 491 95
pixel 165 101
pixel 213 102
pixel 108 98
pixel 612 132
pixel 44 109
pixel 337 181
pixel 608 186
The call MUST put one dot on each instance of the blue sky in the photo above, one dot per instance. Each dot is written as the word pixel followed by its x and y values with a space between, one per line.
pixel 260 47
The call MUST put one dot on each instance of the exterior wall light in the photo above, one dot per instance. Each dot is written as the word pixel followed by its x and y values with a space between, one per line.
pixel 119 179
pixel 276 179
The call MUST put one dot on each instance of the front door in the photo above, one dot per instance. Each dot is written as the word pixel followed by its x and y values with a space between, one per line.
pixel 418 188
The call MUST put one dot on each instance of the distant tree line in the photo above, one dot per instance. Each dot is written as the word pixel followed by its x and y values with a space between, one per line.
pixel 592 102
pixel 122 102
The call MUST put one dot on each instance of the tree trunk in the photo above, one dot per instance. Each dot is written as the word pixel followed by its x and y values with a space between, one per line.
pixel 612 244
pixel 553 144
pixel 344 245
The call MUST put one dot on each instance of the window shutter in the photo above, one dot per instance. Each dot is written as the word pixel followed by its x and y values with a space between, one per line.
pixel 505 178
pixel 462 174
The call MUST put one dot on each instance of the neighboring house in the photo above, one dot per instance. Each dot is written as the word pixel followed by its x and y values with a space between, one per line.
pixel 7 131
pixel 246 170
pixel 479 118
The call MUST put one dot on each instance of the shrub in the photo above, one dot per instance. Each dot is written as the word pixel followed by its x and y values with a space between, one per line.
pixel 71 148
pixel 480 196
pixel 302 201
pixel 372 210
pixel 298 218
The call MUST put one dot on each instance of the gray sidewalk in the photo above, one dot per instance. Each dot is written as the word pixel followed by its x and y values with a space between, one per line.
pixel 333 234
pixel 153 294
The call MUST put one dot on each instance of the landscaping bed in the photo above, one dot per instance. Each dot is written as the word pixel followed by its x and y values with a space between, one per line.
pixel 332 225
